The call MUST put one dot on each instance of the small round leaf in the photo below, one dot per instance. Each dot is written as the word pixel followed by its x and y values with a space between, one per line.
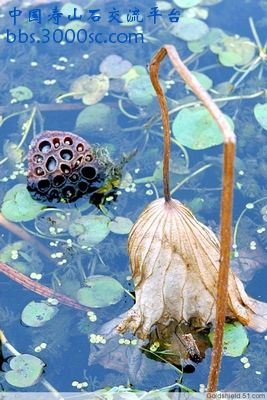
pixel 121 225
pixel 235 339
pixel 18 206
pixel 260 112
pixel 100 291
pixel 36 314
pixel 25 371
pixel 195 128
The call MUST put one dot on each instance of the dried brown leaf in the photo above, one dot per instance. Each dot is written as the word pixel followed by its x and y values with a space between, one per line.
pixel 175 262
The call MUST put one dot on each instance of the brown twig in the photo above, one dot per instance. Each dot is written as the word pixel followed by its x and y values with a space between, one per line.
pixel 227 191
pixel 38 288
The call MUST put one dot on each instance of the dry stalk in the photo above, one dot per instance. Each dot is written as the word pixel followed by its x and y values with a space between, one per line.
pixel 227 191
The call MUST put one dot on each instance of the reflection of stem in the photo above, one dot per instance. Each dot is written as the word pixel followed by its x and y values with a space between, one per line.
pixel 18 231
pixel 227 192
pixel 24 132
pixel 70 94
pixel 155 119
pixel 38 288
pixel 255 33
pixel 253 66
pixel 239 220
pixel 181 147
pixel 189 177
pixel 126 113
pixel 15 352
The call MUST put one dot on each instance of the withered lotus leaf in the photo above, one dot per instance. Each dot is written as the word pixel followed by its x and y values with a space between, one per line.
pixel 175 261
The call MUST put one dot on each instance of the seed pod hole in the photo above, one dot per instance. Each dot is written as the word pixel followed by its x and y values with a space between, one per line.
pixel 54 194
pixel 56 143
pixel 65 169
pixel 68 192
pixel 68 141
pixel 88 172
pixel 59 180
pixel 88 157
pixel 38 159
pixel 74 177
pixel 66 154
pixel 45 147
pixel 78 162
pixel 43 185
pixel 39 171
pixel 83 186
pixel 51 164
pixel 80 147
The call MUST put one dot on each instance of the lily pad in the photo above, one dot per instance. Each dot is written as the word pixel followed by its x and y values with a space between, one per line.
pixel 121 225
pixel 135 72
pixel 234 50
pixel 141 91
pixel 90 229
pixel 235 339
pixel 195 128
pixel 213 36
pixel 25 370
pixel 260 112
pixel 190 29
pixel 21 93
pixel 98 117
pixel 91 89
pixel 18 206
pixel 100 291
pixel 36 314
pixel 114 66
pixel 186 3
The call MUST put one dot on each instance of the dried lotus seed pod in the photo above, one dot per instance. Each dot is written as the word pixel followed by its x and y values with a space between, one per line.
pixel 62 165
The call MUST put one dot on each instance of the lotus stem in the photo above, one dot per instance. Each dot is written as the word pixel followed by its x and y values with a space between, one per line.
pixel 227 191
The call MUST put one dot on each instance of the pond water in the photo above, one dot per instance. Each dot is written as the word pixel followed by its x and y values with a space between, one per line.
pixel 58 245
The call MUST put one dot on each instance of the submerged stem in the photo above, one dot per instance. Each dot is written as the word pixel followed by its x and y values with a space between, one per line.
pixel 227 192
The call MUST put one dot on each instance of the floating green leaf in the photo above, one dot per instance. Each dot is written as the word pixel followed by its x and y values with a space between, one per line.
pixel 189 29
pixel 91 89
pixel 195 128
pixel 186 3
pixel 121 225
pixel 213 36
pixel 260 112
pixel 25 371
pixel 18 205
pixel 100 291
pixel 98 117
pixel 90 229
pixel 234 50
pixel 141 91
pixel 21 93
pixel 235 339
pixel 114 66
pixel 36 314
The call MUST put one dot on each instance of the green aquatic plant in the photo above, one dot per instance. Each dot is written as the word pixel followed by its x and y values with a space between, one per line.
pixel 36 314
pixel 19 206
pixel 196 129
pixel 100 291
